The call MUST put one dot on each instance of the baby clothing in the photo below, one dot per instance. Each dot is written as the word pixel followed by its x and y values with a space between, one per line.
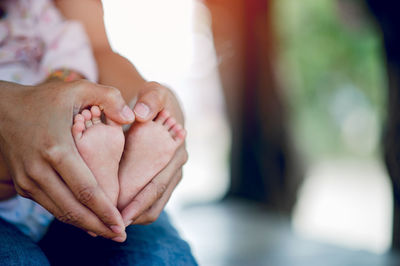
pixel 28 216
pixel 34 41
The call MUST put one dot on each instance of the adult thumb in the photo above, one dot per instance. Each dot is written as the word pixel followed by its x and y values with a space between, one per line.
pixel 109 99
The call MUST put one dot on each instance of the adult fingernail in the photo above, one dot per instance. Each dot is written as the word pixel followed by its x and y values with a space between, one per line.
pixel 116 229
pixel 128 223
pixel 92 234
pixel 128 114
pixel 142 110
pixel 119 239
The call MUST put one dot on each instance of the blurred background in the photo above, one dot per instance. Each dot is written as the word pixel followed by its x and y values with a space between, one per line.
pixel 287 114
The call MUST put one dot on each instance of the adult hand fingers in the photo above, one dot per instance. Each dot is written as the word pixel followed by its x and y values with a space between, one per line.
pixel 31 191
pixel 107 97
pixel 153 191
pixel 71 211
pixel 150 102
pixel 45 187
pixel 27 188
pixel 152 214
pixel 44 200
pixel 40 197
pixel 84 186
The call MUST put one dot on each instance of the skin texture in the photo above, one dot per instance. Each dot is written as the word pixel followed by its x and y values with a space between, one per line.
pixel 116 71
pixel 45 164
pixel 150 146
pixel 101 146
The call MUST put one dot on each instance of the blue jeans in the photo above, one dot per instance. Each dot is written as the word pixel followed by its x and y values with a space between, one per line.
pixel 155 244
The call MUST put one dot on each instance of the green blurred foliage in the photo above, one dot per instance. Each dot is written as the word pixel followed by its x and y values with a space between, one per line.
pixel 322 57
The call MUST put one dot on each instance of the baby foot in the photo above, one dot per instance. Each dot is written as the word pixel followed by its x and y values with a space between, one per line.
pixel 149 147
pixel 101 146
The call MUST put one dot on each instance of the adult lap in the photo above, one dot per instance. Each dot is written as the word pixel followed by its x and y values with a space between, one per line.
pixel 18 249
pixel 154 244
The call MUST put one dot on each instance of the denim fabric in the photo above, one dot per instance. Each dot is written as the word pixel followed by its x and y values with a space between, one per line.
pixel 154 244
pixel 28 216
pixel 17 249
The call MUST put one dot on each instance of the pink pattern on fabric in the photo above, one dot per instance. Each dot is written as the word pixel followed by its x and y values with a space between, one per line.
pixel 26 50
pixel 36 40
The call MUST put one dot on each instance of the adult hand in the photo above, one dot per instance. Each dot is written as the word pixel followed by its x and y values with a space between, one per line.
pixel 36 142
pixel 147 205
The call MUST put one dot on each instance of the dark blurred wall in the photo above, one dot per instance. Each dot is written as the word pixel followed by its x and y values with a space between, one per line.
pixel 262 166
pixel 387 13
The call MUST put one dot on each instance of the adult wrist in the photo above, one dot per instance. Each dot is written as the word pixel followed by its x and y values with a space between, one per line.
pixel 9 94
pixel 65 74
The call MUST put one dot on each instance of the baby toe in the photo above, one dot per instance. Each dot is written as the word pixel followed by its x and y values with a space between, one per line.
pixel 86 114
pixel 96 113
pixel 177 132
pixel 162 117
pixel 78 127
pixel 88 118
pixel 79 118
pixel 170 123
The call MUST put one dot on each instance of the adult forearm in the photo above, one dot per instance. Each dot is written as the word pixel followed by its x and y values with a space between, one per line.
pixel 116 71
